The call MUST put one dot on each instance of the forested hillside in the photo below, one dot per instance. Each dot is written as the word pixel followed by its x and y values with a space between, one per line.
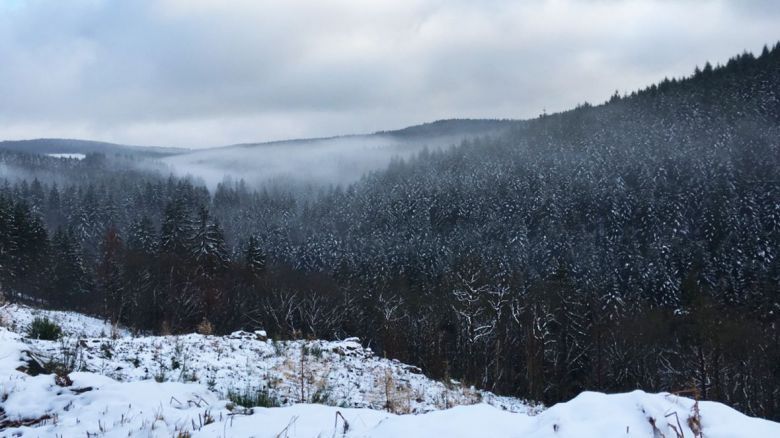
pixel 628 245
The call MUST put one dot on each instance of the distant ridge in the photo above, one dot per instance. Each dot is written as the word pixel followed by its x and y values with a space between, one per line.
pixel 74 146
pixel 430 129
pixel 451 127
pixel 470 127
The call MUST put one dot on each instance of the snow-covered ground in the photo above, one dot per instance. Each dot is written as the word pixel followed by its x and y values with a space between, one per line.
pixel 179 386
pixel 75 325
pixel 341 373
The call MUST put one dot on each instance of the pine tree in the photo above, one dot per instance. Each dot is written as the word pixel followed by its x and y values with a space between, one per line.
pixel 54 211
pixel 142 237
pixel 110 276
pixel 30 250
pixel 8 243
pixel 37 196
pixel 207 246
pixel 176 229
pixel 254 257
pixel 69 285
pixel 144 300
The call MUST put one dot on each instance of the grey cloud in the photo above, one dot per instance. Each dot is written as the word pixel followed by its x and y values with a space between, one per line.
pixel 198 73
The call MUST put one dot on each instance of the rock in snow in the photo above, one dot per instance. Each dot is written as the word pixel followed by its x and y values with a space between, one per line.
pixel 176 386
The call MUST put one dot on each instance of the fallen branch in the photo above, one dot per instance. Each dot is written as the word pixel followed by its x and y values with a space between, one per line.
pixel 81 390
pixel 5 424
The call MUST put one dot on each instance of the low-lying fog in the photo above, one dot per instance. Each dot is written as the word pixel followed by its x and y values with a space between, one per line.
pixel 300 164
pixel 339 160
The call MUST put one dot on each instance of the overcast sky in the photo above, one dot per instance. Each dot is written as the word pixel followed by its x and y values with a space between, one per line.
pixel 199 73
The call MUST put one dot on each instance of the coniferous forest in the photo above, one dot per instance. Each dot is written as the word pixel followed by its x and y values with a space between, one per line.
pixel 632 244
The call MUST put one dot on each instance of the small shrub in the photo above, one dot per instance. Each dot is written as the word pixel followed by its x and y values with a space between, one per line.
pixel 251 397
pixel 62 380
pixel 115 333
pixel 279 349
pixel 322 396
pixel 45 329
pixel 60 369
pixel 314 350
pixel 205 327
pixel 70 357
pixel 105 349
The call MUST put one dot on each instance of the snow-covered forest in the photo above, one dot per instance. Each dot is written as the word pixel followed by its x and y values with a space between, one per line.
pixel 627 245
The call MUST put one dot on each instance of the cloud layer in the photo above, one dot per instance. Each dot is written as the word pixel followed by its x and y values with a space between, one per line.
pixel 201 73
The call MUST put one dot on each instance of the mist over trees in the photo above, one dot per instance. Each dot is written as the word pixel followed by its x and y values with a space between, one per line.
pixel 627 245
pixel 319 162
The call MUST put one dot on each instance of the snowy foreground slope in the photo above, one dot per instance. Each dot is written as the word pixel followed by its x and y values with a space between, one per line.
pixel 177 386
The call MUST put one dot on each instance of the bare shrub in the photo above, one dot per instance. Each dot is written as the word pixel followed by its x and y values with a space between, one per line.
pixel 205 327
